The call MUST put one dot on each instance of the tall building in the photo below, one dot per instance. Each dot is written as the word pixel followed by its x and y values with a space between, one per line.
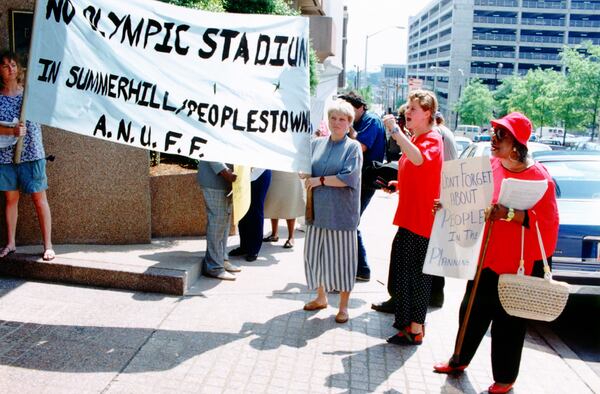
pixel 452 41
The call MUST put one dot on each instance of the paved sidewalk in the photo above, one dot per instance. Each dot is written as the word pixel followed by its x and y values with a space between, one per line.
pixel 248 336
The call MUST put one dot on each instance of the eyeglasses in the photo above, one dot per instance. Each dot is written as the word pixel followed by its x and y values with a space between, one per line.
pixel 499 133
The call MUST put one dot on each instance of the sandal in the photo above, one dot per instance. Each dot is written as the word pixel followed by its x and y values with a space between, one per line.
pixel 271 238
pixel 49 255
pixel 288 244
pixel 314 306
pixel 341 317
pixel 5 251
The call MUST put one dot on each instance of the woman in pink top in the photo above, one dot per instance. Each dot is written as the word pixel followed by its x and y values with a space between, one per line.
pixel 418 185
pixel 509 160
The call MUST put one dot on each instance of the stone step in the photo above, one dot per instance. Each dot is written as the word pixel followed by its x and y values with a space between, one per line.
pixel 164 271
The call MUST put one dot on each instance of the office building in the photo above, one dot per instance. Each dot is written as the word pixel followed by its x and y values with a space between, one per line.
pixel 453 41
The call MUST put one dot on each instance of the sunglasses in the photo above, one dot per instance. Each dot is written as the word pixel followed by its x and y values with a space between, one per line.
pixel 499 133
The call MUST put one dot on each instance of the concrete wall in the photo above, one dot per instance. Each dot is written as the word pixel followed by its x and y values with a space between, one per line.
pixel 177 206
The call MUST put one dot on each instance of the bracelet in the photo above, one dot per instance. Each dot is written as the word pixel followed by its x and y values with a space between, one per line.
pixel 395 130
pixel 322 179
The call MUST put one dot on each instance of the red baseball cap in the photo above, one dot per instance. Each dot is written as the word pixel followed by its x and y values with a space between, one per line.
pixel 518 125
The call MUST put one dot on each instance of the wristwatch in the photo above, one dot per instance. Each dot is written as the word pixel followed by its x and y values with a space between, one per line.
pixel 510 215
pixel 322 179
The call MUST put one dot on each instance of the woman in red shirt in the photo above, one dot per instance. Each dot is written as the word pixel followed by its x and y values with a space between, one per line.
pixel 418 185
pixel 509 160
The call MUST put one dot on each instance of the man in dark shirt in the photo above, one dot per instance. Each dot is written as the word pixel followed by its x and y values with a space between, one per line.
pixel 369 131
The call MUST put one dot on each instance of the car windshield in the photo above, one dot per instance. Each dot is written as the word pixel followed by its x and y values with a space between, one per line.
pixel 576 179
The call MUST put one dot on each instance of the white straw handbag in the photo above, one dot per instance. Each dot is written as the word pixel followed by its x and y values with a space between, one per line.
pixel 530 297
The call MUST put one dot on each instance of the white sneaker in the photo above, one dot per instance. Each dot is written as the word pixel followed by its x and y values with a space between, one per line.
pixel 231 267
pixel 225 276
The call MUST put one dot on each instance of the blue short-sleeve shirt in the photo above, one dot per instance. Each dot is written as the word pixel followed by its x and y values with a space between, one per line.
pixel 370 133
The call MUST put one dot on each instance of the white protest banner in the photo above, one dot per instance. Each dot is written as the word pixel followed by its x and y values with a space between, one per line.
pixel 212 86
pixel 467 188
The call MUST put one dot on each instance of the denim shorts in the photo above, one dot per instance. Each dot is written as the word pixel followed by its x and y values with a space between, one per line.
pixel 28 177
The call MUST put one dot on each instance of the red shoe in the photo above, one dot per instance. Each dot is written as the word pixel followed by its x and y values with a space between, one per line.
pixel 405 337
pixel 448 368
pixel 500 388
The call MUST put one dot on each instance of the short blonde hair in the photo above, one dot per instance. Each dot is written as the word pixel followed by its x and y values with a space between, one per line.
pixel 342 107
pixel 427 101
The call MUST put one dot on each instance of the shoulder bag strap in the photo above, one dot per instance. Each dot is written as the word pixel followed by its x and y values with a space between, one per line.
pixel 547 272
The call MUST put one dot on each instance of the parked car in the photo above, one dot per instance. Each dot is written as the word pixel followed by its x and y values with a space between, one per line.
pixel 482 137
pixel 577 256
pixel 461 143
pixel 553 143
pixel 483 149
pixel 585 146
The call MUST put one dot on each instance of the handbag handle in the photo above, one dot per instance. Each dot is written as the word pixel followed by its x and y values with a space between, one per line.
pixel 521 270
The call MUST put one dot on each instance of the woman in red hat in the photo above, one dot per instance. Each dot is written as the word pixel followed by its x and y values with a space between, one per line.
pixel 509 160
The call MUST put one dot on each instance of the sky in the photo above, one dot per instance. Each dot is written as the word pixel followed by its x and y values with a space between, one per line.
pixel 366 17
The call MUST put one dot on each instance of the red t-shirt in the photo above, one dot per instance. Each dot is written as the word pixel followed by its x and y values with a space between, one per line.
pixel 418 186
pixel 504 247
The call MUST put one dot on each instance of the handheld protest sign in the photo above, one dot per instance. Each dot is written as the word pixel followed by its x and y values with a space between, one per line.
pixel 241 192
pixel 457 233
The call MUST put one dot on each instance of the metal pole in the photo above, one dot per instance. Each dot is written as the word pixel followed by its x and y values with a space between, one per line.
pixel 366 54
pixel 456 113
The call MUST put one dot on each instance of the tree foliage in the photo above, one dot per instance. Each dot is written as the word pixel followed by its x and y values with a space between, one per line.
pixel 583 65
pixel 569 98
pixel 272 7
pixel 536 95
pixel 476 104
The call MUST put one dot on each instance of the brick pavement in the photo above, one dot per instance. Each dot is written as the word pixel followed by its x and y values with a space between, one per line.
pixel 250 336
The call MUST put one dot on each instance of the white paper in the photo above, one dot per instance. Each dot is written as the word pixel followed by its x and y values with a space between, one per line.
pixel 521 194
pixel 8 140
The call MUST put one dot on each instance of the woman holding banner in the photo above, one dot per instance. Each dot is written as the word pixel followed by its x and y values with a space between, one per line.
pixel 418 185
pixel 509 160
pixel 331 250
pixel 29 176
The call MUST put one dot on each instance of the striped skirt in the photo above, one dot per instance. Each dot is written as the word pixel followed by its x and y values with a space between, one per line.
pixel 330 258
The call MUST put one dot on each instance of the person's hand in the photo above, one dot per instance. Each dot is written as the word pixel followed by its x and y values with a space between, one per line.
pixel 496 212
pixel 437 205
pixel 228 175
pixel 389 121
pixel 302 175
pixel 392 187
pixel 20 130
pixel 311 182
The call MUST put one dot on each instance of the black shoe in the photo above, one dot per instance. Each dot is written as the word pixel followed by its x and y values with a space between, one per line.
pixel 436 300
pixel 237 252
pixel 251 257
pixel 363 278
pixel 385 306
